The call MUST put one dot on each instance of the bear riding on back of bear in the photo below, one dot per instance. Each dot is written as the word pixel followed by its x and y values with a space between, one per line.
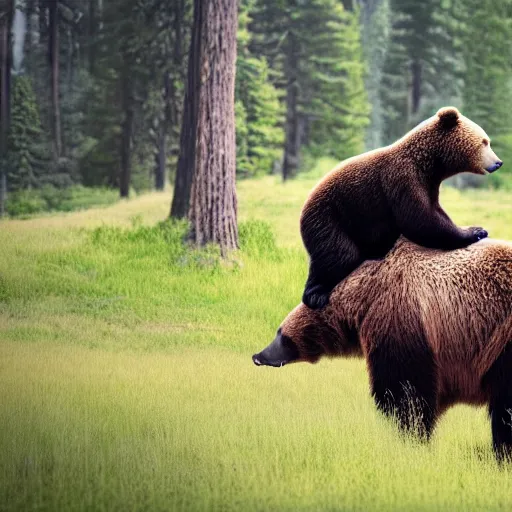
pixel 358 210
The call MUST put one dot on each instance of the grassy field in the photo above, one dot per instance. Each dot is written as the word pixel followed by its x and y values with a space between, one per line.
pixel 126 380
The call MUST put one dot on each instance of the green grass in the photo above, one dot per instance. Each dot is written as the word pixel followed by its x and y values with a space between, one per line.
pixel 126 381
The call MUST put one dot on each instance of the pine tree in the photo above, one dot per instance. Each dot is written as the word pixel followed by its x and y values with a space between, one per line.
pixel 337 104
pixel 315 47
pixel 259 113
pixel 487 89
pixel 24 135
pixel 128 110
pixel 487 78
pixel 421 70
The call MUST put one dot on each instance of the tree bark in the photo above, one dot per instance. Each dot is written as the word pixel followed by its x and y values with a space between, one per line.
pixel 161 159
pixel 292 135
pixel 53 54
pixel 416 86
pixel 187 156
pixel 128 107
pixel 43 23
pixel 213 208
pixel 161 156
pixel 179 15
pixel 70 57
pixel 6 16
pixel 91 33
pixel 30 40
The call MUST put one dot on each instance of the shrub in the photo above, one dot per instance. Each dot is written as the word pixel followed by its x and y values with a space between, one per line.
pixel 25 202
pixel 168 239
pixel 49 198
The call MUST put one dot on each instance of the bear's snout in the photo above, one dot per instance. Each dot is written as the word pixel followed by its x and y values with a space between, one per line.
pixel 280 352
pixel 257 360
pixel 495 166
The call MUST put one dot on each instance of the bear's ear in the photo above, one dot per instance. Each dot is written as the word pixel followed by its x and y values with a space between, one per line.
pixel 448 117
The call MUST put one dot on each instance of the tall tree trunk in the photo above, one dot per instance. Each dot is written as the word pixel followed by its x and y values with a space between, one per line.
pixel 161 157
pixel 30 39
pixel 213 209
pixel 128 106
pixel 91 34
pixel 179 15
pixel 178 75
pixel 43 21
pixel 53 53
pixel 187 157
pixel 415 86
pixel 292 135
pixel 70 67
pixel 6 16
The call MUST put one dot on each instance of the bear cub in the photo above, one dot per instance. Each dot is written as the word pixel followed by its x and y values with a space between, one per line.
pixel 358 211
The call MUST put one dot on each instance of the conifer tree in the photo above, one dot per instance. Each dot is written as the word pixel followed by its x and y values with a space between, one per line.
pixel 24 135
pixel 259 113
pixel 421 69
pixel 315 47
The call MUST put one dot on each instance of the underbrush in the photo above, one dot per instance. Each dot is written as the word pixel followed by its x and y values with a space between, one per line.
pixel 169 239
pixel 51 199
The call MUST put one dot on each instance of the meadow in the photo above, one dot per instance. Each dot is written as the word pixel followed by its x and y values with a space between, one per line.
pixel 126 380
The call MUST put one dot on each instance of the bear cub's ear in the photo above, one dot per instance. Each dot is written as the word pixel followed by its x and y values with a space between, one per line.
pixel 448 117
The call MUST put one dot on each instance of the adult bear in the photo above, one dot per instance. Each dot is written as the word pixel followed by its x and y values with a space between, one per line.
pixel 358 210
pixel 435 328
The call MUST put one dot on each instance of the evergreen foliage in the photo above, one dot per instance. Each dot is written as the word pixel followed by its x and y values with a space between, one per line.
pixel 24 146
pixel 258 110
pixel 421 69
pixel 488 72
pixel 318 78
pixel 334 80
pixel 314 48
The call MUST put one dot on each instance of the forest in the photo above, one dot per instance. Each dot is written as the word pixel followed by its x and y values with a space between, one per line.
pixel 92 91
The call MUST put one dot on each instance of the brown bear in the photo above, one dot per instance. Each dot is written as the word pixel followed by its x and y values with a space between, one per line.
pixel 358 210
pixel 435 328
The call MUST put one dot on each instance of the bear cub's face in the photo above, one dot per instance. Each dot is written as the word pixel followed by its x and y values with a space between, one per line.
pixel 463 146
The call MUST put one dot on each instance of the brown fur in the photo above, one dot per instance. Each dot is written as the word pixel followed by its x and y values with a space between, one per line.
pixel 462 299
pixel 453 307
pixel 358 211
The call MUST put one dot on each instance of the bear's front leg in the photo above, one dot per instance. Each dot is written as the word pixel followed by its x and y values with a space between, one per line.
pixel 404 382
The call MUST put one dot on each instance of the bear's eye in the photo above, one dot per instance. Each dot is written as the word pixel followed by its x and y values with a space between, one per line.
pixel 485 142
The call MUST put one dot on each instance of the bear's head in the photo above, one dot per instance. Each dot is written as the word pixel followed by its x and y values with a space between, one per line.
pixel 459 144
pixel 307 335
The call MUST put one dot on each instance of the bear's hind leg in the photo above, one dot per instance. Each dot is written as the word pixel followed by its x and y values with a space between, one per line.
pixel 499 385
pixel 404 382
pixel 329 265
pixel 316 292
